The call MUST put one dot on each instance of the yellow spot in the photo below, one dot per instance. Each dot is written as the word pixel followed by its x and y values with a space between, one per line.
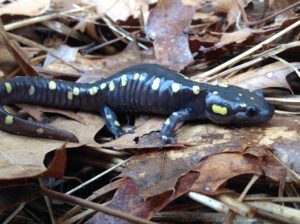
pixel 240 94
pixel 40 131
pixel 167 122
pixel 196 90
pixel 8 87
pixel 52 85
pixel 136 76
pixel 175 87
pixel 76 91
pixel 31 90
pixel 219 109
pixel 117 123
pixel 223 85
pixel 93 90
pixel 155 84
pixel 103 85
pixel 112 86
pixel 124 80
pixel 108 116
pixel 9 119
pixel 215 92
pixel 70 95
pixel 175 114
pixel 142 77
pixel 252 98
pixel 243 105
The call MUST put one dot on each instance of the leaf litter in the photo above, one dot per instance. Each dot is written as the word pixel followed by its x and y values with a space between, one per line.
pixel 216 161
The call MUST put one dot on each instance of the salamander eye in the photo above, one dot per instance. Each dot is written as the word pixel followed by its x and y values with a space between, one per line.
pixel 251 111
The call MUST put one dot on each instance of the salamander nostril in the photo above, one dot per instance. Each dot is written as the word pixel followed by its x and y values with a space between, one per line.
pixel 252 111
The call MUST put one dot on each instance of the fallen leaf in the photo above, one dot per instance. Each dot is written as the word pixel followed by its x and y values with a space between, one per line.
pixel 127 199
pixel 121 10
pixel 272 75
pixel 24 7
pixel 19 55
pixel 215 170
pixel 167 30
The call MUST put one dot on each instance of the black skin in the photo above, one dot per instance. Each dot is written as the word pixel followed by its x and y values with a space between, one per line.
pixel 145 88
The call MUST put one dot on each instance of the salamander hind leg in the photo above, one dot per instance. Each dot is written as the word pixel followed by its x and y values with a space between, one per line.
pixel 18 126
pixel 112 123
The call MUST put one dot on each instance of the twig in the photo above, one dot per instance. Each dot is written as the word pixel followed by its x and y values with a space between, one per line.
pixel 88 204
pixel 47 201
pixel 250 51
pixel 209 202
pixel 97 177
pixel 230 217
pixel 12 215
pixel 278 212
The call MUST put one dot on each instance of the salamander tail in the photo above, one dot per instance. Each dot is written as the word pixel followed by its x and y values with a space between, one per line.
pixel 18 126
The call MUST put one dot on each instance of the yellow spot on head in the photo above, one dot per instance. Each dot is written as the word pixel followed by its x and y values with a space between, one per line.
pixel 155 84
pixel 111 86
pixel 175 87
pixel 70 95
pixel 31 90
pixel 76 91
pixel 8 87
pixel 223 85
pixel 52 85
pixel 117 123
pixel 103 85
pixel 136 76
pixel 167 122
pixel 93 90
pixel 40 131
pixel 196 90
pixel 215 92
pixel 243 105
pixel 219 109
pixel 124 80
pixel 9 119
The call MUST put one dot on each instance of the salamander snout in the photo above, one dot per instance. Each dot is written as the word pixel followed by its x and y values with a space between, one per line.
pixel 255 114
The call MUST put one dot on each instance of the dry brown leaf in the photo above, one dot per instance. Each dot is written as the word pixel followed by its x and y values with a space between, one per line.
pixel 23 156
pixel 25 7
pixel 167 29
pixel 217 169
pixel 37 112
pixel 96 69
pixel 231 7
pixel 128 200
pixel 272 75
pixel 121 10
pixel 155 172
pixel 237 37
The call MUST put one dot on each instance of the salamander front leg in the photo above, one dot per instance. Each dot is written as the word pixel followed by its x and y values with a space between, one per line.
pixel 170 125
pixel 112 122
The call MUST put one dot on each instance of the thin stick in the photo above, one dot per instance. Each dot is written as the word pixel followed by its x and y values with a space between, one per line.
pixel 97 177
pixel 88 204
pixel 250 51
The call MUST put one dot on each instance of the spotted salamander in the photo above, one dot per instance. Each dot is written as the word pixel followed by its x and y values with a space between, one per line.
pixel 145 88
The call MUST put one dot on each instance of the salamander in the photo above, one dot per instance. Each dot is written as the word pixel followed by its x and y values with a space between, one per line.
pixel 144 88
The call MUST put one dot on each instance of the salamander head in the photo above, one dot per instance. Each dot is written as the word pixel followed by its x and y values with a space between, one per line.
pixel 232 104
